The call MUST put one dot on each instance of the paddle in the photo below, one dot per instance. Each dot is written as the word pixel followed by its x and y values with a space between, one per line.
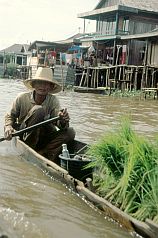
pixel 27 129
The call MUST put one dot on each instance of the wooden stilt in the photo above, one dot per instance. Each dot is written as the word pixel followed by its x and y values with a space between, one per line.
pixel 97 78
pixel 92 78
pixel 83 74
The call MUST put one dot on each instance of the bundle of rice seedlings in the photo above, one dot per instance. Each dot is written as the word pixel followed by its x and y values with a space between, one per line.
pixel 148 207
pixel 126 171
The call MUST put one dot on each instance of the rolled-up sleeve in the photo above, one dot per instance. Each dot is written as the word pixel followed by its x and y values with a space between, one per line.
pixel 13 114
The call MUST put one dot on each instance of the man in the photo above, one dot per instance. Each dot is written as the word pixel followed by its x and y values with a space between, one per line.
pixel 33 107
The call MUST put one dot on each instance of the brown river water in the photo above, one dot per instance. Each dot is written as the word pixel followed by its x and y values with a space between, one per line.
pixel 34 205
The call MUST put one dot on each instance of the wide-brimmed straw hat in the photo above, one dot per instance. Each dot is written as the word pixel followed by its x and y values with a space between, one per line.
pixel 44 74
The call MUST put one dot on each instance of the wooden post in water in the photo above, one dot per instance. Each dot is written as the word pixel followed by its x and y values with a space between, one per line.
pixel 62 77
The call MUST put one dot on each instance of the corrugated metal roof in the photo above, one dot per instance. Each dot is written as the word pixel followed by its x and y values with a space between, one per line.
pixel 17 49
pixel 100 38
pixel 149 5
pixel 70 39
pixel 48 44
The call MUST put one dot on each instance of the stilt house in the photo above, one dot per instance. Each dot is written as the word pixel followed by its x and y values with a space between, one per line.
pixel 126 35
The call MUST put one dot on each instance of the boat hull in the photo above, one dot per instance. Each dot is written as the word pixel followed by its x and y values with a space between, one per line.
pixel 89 90
pixel 146 229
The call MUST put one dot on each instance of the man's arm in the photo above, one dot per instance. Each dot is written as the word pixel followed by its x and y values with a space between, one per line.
pixel 10 119
pixel 63 123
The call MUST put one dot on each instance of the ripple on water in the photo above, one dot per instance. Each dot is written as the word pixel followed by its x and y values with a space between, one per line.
pixel 34 206
pixel 14 224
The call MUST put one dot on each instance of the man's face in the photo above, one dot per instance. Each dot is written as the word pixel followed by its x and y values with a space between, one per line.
pixel 42 87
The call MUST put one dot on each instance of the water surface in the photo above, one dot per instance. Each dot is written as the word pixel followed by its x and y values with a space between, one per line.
pixel 33 204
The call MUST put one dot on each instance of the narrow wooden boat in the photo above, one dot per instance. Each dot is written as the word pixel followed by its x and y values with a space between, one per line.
pixel 146 229
pixel 99 90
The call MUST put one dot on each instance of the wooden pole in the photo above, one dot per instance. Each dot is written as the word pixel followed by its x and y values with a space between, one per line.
pixel 27 129
pixel 62 78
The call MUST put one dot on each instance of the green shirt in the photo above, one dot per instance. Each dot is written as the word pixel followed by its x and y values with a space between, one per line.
pixel 23 104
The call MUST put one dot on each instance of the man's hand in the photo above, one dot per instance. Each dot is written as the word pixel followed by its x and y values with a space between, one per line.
pixel 8 132
pixel 64 115
pixel 64 118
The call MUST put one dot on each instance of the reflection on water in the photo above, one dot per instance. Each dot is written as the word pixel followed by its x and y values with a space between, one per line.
pixel 34 206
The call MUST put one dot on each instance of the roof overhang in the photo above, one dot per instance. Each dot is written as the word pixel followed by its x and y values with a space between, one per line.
pixel 146 35
pixel 94 15
pixel 101 38
pixel 45 44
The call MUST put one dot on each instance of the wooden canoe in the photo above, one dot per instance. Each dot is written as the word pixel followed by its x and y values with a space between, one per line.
pixel 146 229
pixel 99 90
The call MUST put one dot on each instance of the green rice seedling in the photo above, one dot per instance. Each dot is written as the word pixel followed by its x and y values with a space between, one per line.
pixel 138 164
pixel 132 184
pixel 148 208
pixel 127 171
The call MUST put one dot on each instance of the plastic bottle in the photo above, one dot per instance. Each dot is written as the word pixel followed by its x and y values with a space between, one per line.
pixel 65 152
